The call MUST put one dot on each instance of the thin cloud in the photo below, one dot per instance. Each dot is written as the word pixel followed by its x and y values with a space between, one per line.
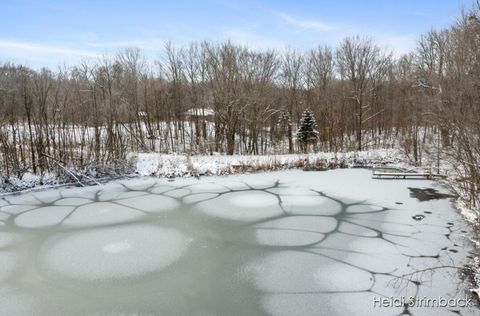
pixel 120 44
pixel 304 23
pixel 26 47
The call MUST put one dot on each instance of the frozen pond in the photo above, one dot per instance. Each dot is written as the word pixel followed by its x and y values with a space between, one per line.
pixel 280 243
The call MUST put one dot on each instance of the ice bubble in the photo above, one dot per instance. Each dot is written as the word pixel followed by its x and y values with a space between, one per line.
pixel 13 302
pixel 425 228
pixel 271 237
pixel 8 238
pixel 47 196
pixel 4 216
pixel 139 184
pixel 111 253
pixel 382 225
pixel 353 229
pixel 208 187
pixel 151 203
pixel 297 191
pixel 17 209
pixel 300 272
pixel 119 313
pixel 26 198
pixel 117 247
pixel 102 213
pixel 234 185
pixel 363 208
pixel 310 205
pixel 260 184
pixel 178 193
pixel 161 189
pixel 73 201
pixel 87 192
pixel 359 244
pixel 199 197
pixel 129 194
pixel 9 263
pixel 110 194
pixel 321 224
pixel 373 262
pixel 43 216
pixel 242 206
pixel 372 254
pixel 423 244
pixel 345 304
pixel 294 230
pixel 339 277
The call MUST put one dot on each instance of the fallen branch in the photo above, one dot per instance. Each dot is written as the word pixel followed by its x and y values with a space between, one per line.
pixel 65 169
pixel 466 270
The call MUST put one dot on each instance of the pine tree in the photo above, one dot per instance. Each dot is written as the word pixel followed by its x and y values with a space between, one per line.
pixel 307 133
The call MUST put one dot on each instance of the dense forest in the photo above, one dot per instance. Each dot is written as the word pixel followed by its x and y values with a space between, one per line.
pixel 221 97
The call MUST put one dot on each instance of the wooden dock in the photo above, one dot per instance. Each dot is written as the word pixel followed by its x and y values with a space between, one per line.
pixel 400 173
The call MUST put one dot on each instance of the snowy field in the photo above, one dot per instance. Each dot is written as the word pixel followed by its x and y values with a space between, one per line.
pixel 277 243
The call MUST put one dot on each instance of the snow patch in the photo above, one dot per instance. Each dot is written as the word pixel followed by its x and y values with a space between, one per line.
pixel 112 253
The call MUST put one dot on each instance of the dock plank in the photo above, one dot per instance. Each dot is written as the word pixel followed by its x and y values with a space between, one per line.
pixel 404 175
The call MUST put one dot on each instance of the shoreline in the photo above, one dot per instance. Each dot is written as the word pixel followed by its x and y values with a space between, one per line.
pixel 171 166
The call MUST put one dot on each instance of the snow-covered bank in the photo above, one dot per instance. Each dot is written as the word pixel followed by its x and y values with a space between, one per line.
pixel 181 165
pixel 154 164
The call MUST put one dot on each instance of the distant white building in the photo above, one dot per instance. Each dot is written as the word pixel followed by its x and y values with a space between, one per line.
pixel 202 113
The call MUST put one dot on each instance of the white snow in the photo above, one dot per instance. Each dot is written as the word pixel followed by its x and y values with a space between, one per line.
pixel 112 253
pixel 295 230
pixel 151 203
pixel 16 208
pixel 270 237
pixel 317 273
pixel 14 302
pixel 101 213
pixel 73 201
pixel 198 197
pixel 310 205
pixel 349 228
pixel 118 194
pixel 291 231
pixel 180 165
pixel 178 193
pixel 4 216
pixel 301 223
pixel 9 261
pixel 8 238
pixel 242 206
pixel 117 247
pixel 43 216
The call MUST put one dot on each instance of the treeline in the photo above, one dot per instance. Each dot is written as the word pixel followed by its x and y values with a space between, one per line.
pixel 222 97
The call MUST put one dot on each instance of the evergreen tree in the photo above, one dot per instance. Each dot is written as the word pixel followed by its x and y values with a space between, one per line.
pixel 307 133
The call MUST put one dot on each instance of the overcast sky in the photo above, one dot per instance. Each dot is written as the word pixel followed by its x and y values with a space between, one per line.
pixel 47 32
